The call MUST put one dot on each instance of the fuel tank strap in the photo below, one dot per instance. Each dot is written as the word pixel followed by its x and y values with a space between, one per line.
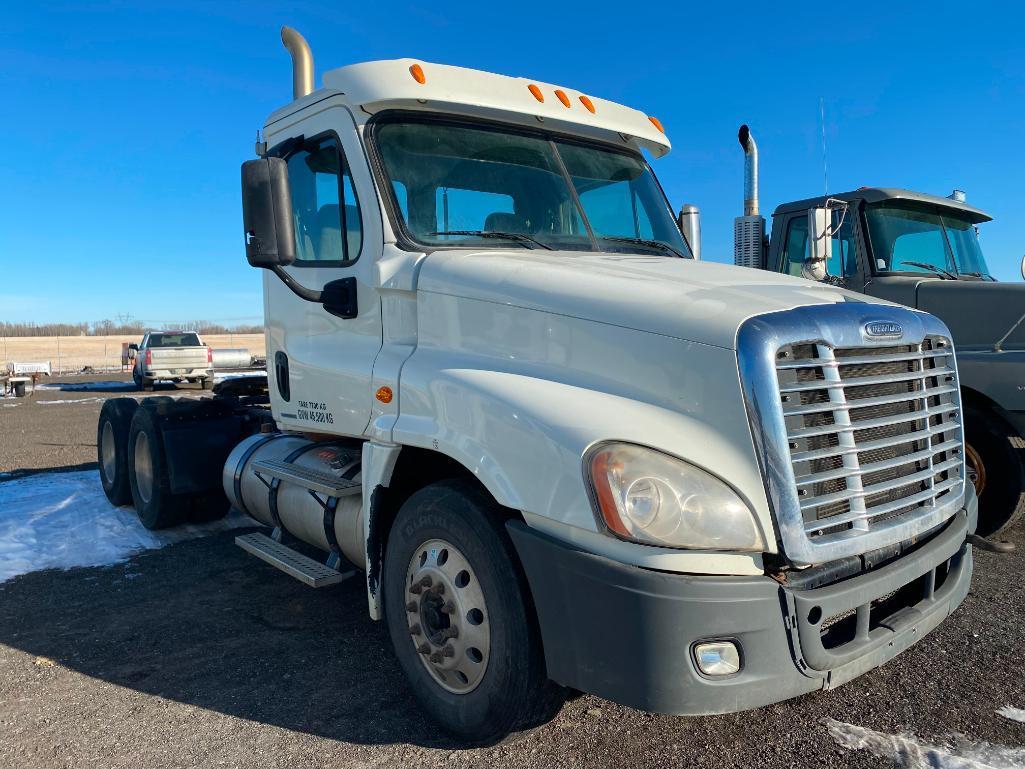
pixel 275 485
pixel 242 461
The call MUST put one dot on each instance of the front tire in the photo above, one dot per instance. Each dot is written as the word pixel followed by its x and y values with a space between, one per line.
pixel 460 617
pixel 995 461
pixel 112 448
pixel 157 507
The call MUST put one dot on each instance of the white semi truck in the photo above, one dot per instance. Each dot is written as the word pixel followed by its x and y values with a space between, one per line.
pixel 564 453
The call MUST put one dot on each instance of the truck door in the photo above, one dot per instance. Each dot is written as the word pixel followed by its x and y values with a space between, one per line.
pixel 319 364
pixel 792 257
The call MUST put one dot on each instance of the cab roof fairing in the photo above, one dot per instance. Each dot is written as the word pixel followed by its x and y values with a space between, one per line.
pixel 376 86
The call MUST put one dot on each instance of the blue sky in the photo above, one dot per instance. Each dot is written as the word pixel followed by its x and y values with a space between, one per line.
pixel 125 123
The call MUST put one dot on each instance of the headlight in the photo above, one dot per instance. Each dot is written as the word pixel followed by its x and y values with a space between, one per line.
pixel 649 497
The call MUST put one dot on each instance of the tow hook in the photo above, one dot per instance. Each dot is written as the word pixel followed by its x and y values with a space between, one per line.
pixel 988 544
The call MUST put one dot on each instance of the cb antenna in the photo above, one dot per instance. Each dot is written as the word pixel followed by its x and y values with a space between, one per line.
pixel 822 122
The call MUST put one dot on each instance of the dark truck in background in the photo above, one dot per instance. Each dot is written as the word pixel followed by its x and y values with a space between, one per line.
pixel 921 251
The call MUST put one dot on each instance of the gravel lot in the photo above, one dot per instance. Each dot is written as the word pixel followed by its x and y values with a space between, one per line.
pixel 198 655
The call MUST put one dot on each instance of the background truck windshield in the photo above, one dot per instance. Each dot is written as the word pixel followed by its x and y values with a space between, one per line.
pixel 464 179
pixel 173 340
pixel 901 236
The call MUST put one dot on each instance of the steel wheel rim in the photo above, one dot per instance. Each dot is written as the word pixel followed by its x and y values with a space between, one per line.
pixel 975 468
pixel 108 453
pixel 143 467
pixel 448 620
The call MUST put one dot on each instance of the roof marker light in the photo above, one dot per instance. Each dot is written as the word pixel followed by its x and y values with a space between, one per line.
pixel 563 98
pixel 588 104
pixel 418 74
pixel 655 122
pixel 536 91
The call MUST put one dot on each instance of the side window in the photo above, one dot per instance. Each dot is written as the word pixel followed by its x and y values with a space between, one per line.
pixel 328 227
pixel 844 263
pixel 473 210
pixel 796 250
pixel 402 197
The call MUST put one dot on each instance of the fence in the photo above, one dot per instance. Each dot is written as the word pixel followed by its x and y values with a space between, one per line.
pixel 72 354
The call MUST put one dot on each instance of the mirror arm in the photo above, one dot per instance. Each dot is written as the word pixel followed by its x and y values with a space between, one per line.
pixel 296 288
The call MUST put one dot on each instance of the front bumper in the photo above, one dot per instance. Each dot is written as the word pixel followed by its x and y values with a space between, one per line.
pixel 627 634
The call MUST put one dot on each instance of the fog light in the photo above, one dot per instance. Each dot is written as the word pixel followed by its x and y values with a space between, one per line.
pixel 717 658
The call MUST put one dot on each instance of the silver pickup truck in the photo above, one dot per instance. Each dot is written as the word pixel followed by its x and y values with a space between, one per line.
pixel 179 356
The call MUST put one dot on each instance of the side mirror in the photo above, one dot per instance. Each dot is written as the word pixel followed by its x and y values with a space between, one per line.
pixel 820 236
pixel 267 213
pixel 134 347
pixel 689 222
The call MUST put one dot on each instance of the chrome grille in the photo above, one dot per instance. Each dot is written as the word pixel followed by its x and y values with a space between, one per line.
pixel 873 432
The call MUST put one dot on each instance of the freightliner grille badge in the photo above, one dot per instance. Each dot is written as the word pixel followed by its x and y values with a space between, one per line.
pixel 883 329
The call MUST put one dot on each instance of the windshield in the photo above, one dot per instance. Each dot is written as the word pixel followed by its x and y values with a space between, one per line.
pixel 918 240
pixel 458 184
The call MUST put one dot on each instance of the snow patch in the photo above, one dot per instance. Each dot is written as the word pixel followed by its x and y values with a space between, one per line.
pixel 63 520
pixel 905 750
pixel 88 386
pixel 73 400
pixel 1014 714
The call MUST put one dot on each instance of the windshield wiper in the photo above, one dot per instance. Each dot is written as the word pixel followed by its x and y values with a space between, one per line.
pixel 517 236
pixel 947 274
pixel 982 275
pixel 643 242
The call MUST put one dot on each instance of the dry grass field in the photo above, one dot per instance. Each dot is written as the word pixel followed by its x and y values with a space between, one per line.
pixel 73 353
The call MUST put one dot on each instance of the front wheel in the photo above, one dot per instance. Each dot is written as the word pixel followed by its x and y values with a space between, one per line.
pixel 995 460
pixel 460 617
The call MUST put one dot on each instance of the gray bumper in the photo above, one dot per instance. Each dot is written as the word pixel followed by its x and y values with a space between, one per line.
pixel 626 634
pixel 183 373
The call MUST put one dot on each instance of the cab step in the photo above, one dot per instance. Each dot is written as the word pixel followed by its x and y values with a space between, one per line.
pixel 305 569
pixel 314 480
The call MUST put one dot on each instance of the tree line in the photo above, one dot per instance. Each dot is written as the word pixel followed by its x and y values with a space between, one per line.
pixel 113 328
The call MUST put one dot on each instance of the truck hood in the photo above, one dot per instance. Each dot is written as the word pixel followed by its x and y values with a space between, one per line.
pixel 979 314
pixel 701 302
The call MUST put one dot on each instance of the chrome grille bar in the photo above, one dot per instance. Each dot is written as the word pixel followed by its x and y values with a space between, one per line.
pixel 859 436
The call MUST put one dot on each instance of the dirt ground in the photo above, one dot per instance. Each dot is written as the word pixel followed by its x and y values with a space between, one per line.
pixel 198 655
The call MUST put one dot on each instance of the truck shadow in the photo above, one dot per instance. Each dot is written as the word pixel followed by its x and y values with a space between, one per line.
pixel 203 623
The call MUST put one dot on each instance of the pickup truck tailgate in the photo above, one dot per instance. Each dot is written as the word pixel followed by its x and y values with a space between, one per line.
pixel 178 358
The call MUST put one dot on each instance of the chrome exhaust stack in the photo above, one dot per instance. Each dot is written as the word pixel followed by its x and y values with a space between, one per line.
pixel 749 229
pixel 302 62
pixel 747 143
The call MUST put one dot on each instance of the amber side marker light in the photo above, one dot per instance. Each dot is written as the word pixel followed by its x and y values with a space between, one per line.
pixel 563 98
pixel 657 123
pixel 588 104
pixel 601 467
pixel 384 394
pixel 418 74
pixel 536 91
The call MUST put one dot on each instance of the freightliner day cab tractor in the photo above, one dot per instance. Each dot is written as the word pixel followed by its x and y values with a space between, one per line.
pixel 564 453
pixel 921 251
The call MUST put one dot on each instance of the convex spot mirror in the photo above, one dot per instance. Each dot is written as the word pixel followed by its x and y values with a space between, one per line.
pixel 267 213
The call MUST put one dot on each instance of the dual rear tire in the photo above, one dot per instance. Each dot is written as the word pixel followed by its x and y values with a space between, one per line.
pixel 133 466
